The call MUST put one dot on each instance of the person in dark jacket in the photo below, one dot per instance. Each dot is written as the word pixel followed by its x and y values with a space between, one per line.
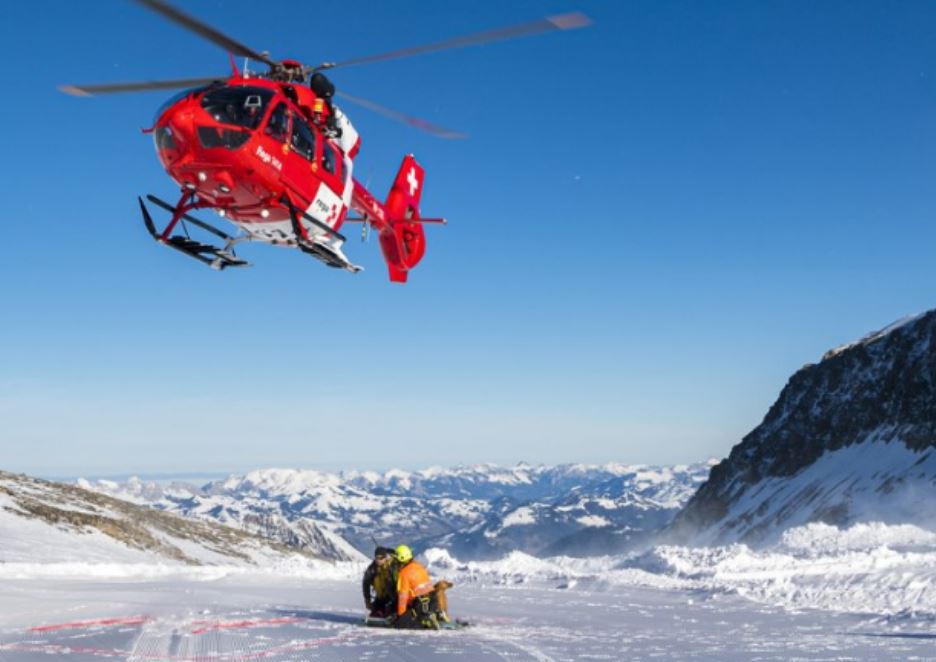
pixel 379 584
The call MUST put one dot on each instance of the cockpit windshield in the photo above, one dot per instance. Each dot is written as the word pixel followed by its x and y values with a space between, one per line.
pixel 241 106
pixel 174 99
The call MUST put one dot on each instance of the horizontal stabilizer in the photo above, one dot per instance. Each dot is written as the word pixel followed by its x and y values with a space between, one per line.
pixel 436 221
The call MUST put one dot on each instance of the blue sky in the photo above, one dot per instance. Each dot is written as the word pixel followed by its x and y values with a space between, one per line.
pixel 654 222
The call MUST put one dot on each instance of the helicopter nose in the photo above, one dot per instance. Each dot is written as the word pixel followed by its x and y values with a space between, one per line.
pixel 183 127
pixel 174 138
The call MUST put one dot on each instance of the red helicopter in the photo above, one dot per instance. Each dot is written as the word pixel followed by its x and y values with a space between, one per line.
pixel 271 153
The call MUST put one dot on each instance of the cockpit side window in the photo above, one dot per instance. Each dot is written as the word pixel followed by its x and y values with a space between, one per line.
pixel 278 126
pixel 303 139
pixel 330 160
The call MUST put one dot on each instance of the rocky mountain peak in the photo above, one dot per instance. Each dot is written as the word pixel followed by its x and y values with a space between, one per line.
pixel 880 389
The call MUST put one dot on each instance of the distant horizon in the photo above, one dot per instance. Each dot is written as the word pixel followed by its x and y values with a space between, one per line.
pixel 211 475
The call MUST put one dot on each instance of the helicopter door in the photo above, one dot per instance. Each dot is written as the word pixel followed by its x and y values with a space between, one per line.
pixel 302 172
pixel 331 164
pixel 336 166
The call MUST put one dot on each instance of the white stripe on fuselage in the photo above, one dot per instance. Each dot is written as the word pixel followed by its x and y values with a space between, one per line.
pixel 326 208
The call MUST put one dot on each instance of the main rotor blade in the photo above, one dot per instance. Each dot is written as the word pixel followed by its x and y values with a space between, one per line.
pixel 203 30
pixel 137 86
pixel 569 21
pixel 422 125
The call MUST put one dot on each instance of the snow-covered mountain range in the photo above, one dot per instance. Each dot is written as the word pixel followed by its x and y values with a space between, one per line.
pixel 476 512
pixel 850 439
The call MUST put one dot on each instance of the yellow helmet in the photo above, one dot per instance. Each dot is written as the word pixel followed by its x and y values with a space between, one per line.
pixel 404 554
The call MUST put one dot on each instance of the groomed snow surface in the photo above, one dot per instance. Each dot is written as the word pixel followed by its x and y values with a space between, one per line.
pixel 866 592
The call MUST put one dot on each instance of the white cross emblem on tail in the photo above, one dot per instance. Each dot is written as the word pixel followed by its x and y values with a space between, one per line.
pixel 413 182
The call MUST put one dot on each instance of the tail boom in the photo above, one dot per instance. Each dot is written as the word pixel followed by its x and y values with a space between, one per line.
pixel 397 221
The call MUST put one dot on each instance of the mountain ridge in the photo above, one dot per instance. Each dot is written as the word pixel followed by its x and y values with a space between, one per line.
pixel 463 508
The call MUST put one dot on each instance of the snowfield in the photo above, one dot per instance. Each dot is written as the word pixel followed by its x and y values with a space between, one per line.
pixel 866 592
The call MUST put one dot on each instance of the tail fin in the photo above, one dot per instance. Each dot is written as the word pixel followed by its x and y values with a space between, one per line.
pixel 403 201
pixel 404 242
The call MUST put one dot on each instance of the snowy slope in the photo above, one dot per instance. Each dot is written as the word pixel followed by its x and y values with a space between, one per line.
pixel 265 519
pixel 45 522
pixel 871 481
pixel 481 511
pixel 870 584
pixel 851 439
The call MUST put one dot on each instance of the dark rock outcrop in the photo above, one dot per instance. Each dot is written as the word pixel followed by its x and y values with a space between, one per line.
pixel 879 390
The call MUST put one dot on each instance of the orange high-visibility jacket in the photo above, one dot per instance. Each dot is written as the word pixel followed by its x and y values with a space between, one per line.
pixel 412 582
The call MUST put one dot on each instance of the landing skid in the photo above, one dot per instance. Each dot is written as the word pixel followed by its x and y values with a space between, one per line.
pixel 318 250
pixel 218 258
pixel 328 257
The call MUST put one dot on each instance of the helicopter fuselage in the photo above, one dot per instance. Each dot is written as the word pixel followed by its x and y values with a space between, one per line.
pixel 243 145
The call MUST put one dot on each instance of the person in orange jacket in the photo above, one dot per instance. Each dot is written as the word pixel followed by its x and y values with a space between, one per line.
pixel 415 608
